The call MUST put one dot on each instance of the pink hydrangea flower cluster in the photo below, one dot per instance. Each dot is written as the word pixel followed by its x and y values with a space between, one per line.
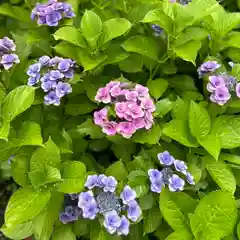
pixel 133 108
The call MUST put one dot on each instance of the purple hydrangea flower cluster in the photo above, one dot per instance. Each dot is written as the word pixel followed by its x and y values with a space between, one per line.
pixel 169 174
pixel 208 68
pixel 7 57
pixel 133 108
pixel 102 199
pixel 52 73
pixel 51 13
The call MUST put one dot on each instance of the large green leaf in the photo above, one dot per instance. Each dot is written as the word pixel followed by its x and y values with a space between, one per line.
pixel 227 129
pixel 18 101
pixel 171 212
pixel 43 222
pixel 74 176
pixel 199 120
pixel 152 220
pixel 20 168
pixel 18 232
pixel 157 87
pixel 71 35
pixel 114 27
pixel 188 51
pixel 91 26
pixel 118 170
pixel 221 174
pixel 24 205
pixel 179 131
pixel 180 235
pixel 143 45
pixel 64 233
pixel 47 155
pixel 214 217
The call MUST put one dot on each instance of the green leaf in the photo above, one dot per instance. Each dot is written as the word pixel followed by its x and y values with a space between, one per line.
pixel 146 202
pixel 188 51
pixel 151 136
pixel 4 130
pixel 19 231
pixel 80 105
pixel 28 134
pixel 143 45
pixel 180 109
pixel 230 158
pixel 132 64
pixel 232 39
pixel 20 169
pixel 238 230
pixel 49 155
pixel 180 235
pixel 163 107
pixel 91 26
pixel 81 227
pixel 227 129
pixel 214 217
pixel 152 220
pixel 221 174
pixel 71 35
pixel 211 144
pixel 74 175
pixel 157 87
pixel 179 131
pixel 118 170
pixel 64 233
pixel 89 128
pixel 24 205
pixel 43 223
pixel 171 212
pixel 114 27
pixel 199 120
pixel 159 17
pixel 17 101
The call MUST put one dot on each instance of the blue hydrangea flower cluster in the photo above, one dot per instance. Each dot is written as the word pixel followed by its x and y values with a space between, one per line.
pixel 169 174
pixel 102 199
pixel 51 13
pixel 7 57
pixel 52 73
pixel 71 211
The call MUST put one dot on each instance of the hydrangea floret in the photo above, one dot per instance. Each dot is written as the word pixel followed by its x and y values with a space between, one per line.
pixel 133 108
pixel 53 73
pixel 52 12
pixel 171 174
pixel 7 57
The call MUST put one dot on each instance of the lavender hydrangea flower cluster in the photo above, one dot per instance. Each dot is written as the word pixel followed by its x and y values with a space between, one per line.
pixel 133 108
pixel 51 13
pixel 169 174
pixel 102 199
pixel 52 73
pixel 7 57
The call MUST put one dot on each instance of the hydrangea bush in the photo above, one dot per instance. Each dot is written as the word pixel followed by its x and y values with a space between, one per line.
pixel 119 119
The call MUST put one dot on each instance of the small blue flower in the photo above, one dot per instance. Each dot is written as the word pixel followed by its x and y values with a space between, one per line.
pixel 47 86
pixel 63 89
pixel 154 175
pixel 134 212
pixel 90 210
pixel 165 158
pixel 54 61
pixel 7 45
pixel 190 178
pixel 65 64
pixel 85 198
pixel 44 60
pixel 45 78
pixel 112 221
pixel 180 166
pixel 91 181
pixel 34 70
pixel 70 214
pixel 176 183
pixel 8 60
pixel 100 183
pixel 32 81
pixel 157 186
pixel 110 184
pixel 55 75
pixel 208 67
pixel 52 98
pixel 123 229
pixel 128 195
